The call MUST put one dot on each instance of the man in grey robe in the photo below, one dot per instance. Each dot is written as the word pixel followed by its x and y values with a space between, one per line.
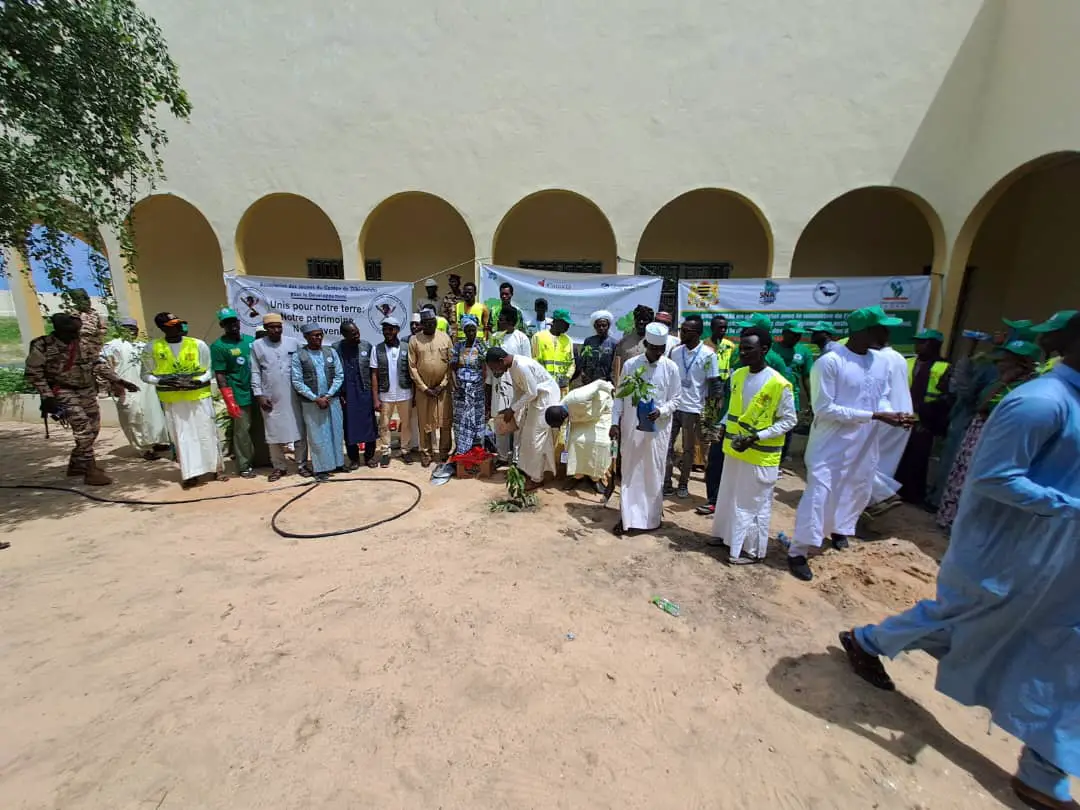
pixel 271 385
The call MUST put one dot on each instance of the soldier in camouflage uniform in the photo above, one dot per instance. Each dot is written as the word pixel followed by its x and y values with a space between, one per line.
pixel 65 373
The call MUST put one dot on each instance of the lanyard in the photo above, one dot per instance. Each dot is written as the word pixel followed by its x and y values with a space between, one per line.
pixel 687 366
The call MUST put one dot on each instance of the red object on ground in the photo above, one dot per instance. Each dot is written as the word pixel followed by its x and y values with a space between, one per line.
pixel 476 463
pixel 474 456
pixel 230 403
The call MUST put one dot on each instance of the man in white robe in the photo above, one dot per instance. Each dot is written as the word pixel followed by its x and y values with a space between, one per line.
pixel 761 411
pixel 644 453
pixel 847 386
pixel 534 392
pixel 514 342
pixel 585 415
pixel 180 365
pixel 271 385
pixel 891 440
pixel 140 413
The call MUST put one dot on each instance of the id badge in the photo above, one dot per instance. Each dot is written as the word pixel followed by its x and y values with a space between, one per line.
pixel 564 457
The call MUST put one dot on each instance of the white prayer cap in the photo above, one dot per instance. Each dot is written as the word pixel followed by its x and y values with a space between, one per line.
pixel 601 314
pixel 391 321
pixel 430 283
pixel 656 334
pixel 415 318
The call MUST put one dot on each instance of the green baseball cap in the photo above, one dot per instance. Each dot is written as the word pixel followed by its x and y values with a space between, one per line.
pixel 757 319
pixel 864 318
pixel 821 326
pixel 1057 321
pixel 794 326
pixel 1022 348
pixel 1024 324
pixel 930 334
pixel 562 315
pixel 226 313
pixel 740 324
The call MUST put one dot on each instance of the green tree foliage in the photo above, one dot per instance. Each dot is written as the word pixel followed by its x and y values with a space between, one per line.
pixel 81 86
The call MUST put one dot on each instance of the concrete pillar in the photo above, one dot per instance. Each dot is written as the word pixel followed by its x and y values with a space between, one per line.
pixel 24 297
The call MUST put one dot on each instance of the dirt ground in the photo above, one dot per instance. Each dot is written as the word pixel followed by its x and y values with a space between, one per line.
pixel 187 657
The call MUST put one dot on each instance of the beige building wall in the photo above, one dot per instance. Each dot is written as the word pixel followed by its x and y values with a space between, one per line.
pixel 868 232
pixel 178 264
pixel 709 225
pixel 280 232
pixel 415 236
pixel 555 225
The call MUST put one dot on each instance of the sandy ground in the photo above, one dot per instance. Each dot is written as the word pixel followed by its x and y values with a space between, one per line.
pixel 187 657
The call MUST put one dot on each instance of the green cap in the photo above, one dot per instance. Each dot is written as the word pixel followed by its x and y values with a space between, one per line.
pixel 225 313
pixel 821 326
pixel 757 319
pixel 930 334
pixel 864 318
pixel 740 324
pixel 1018 324
pixel 1022 348
pixel 794 326
pixel 562 315
pixel 1057 322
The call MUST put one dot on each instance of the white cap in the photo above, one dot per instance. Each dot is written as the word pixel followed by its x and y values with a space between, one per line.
pixel 415 318
pixel 656 334
pixel 601 314
pixel 430 283
pixel 391 321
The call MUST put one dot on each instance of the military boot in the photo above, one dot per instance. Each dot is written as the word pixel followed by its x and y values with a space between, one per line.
pixel 76 468
pixel 96 477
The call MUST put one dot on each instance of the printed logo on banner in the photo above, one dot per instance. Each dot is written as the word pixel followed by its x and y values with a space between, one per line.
pixel 554 285
pixel 895 294
pixel 704 295
pixel 826 293
pixel 767 297
pixel 386 306
pixel 250 306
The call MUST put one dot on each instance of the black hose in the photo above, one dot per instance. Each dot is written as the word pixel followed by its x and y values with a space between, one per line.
pixel 308 487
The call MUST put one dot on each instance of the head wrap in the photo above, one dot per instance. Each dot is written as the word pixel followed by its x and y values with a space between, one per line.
pixel 469 320
pixel 601 314
pixel 129 322
pixel 663 317
pixel 309 327
pixel 272 317
pixel 656 334
pixel 426 312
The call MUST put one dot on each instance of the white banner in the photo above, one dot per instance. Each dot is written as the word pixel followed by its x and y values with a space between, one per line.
pixel 811 299
pixel 580 293
pixel 326 302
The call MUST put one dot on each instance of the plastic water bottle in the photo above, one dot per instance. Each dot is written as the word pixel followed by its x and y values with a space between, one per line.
pixel 783 540
pixel 665 605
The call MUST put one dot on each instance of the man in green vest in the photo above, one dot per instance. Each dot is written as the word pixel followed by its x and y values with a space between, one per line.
pixel 927 376
pixel 760 412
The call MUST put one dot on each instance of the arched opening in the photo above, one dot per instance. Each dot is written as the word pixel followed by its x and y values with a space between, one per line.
pixel 1015 256
pixel 178 263
pixel 875 231
pixel 705 233
pixel 288 235
pixel 414 235
pixel 556 230
pixel 83 257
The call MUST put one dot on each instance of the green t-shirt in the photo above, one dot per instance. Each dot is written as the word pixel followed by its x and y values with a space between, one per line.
pixel 799 359
pixel 233 359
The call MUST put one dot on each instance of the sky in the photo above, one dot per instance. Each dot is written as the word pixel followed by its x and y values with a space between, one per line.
pixel 79 254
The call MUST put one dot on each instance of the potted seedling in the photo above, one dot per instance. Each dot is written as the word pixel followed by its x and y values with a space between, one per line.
pixel 640 392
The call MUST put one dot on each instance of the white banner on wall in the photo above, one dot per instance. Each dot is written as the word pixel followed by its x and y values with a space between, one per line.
pixel 326 302
pixel 811 299
pixel 580 293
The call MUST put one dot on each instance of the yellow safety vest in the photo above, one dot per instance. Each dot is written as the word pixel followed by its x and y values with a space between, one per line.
pixel 186 362
pixel 477 310
pixel 1049 364
pixel 556 354
pixel 759 413
pixel 933 390
pixel 726 356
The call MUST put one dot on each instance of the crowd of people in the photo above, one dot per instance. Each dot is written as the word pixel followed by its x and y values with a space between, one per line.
pixel 1003 421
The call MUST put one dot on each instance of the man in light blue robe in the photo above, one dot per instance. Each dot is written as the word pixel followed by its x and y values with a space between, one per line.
pixel 317 376
pixel 1005 626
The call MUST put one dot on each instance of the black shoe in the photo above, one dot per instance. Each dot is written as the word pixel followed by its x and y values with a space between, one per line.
pixel 840 542
pixel 249 473
pixel 321 477
pixel 669 489
pixel 407 457
pixel 800 568
pixel 866 666
pixel 706 509
pixel 384 461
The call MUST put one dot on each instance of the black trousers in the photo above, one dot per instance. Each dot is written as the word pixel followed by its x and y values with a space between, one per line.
pixel 714 468
pixel 353 452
